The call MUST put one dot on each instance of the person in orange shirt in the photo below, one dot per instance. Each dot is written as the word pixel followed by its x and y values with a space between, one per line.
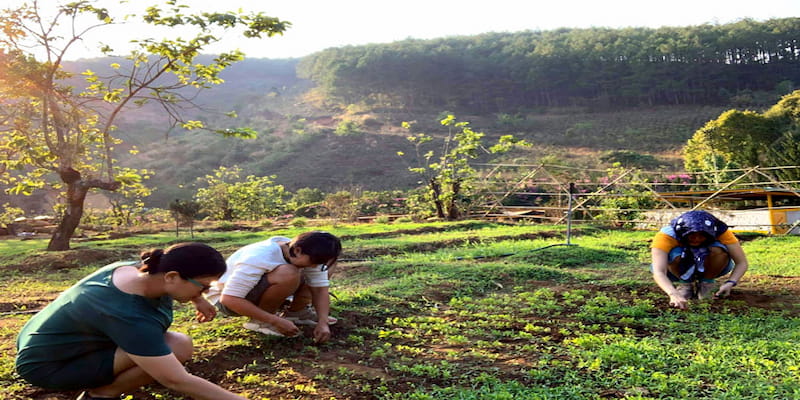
pixel 693 251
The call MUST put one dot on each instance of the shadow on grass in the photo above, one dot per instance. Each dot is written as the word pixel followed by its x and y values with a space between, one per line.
pixel 576 256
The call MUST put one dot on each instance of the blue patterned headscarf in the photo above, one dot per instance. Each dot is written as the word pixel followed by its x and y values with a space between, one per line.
pixel 698 221
pixel 693 258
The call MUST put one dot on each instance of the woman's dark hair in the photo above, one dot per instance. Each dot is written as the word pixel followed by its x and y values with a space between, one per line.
pixel 321 247
pixel 188 259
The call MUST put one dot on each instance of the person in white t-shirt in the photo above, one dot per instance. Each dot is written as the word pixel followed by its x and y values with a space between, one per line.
pixel 263 275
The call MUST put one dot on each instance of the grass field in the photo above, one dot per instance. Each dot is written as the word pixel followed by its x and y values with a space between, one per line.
pixel 471 310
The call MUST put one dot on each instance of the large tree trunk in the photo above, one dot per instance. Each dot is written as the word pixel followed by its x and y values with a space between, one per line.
pixel 77 189
pixel 76 194
pixel 453 213
pixel 436 193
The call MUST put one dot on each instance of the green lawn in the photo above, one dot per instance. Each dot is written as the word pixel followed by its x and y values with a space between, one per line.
pixel 477 310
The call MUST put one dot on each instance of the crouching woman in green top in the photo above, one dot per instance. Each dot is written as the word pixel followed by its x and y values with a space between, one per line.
pixel 108 334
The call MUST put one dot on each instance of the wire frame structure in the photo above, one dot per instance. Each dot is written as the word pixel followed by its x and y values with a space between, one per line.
pixel 762 199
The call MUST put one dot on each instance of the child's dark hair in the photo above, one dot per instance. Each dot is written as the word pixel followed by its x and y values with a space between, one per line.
pixel 188 259
pixel 321 247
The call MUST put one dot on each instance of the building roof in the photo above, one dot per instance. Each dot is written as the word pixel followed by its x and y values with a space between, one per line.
pixel 728 194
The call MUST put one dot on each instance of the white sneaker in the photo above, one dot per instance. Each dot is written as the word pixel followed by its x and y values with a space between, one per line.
pixel 262 327
pixel 306 316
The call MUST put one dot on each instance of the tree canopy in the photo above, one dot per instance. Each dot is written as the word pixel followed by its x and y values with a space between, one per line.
pixel 598 67
pixel 740 139
pixel 446 172
pixel 61 135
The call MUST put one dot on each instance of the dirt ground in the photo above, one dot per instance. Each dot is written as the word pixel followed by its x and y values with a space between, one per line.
pixel 780 294
pixel 765 292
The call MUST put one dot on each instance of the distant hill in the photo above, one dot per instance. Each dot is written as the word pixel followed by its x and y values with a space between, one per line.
pixel 574 94
pixel 593 68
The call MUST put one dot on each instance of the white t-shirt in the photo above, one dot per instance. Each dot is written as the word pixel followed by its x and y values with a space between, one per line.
pixel 247 265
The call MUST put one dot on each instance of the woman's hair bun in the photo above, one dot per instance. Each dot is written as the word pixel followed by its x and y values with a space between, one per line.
pixel 151 260
pixel 189 259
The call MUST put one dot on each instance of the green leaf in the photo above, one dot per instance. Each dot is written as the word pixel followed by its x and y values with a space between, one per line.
pixel 242 133
pixel 191 125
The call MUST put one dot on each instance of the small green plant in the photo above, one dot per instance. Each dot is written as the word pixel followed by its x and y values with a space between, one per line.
pixel 356 339
pixel 299 222
pixel 347 128
pixel 226 226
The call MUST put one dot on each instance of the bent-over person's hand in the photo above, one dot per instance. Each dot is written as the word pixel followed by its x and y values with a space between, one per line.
pixel 205 311
pixel 322 333
pixel 678 301
pixel 286 327
pixel 724 290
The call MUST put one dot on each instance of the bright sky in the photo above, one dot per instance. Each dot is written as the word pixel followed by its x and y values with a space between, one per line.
pixel 320 24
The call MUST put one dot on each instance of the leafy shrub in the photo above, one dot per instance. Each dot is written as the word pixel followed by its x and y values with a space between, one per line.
pixel 305 196
pixel 629 158
pixel 226 197
pixel 308 210
pixel 385 202
pixel 625 203
pixel 342 205
pixel 299 222
pixel 347 128
pixel 226 226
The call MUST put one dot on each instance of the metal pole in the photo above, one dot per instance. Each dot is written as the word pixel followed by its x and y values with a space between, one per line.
pixel 569 212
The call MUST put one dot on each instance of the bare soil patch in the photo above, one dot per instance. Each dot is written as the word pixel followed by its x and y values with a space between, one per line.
pixel 330 359
pixel 310 362
pixel 58 260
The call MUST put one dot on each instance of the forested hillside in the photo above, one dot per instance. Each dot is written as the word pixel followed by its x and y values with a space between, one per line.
pixel 597 67
pixel 332 119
